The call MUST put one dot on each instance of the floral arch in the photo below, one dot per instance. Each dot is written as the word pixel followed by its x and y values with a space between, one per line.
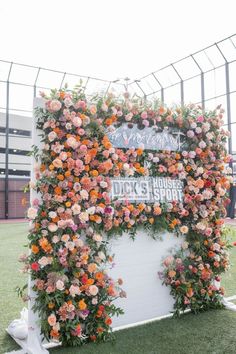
pixel 76 216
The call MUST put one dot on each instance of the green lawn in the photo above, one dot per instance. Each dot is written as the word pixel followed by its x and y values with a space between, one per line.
pixel 212 332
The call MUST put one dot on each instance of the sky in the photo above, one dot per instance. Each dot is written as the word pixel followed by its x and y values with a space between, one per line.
pixel 110 39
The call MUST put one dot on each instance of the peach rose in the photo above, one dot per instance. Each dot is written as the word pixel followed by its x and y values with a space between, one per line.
pixel 93 109
pixel 93 290
pixel 184 229
pixel 172 273
pixel 52 320
pixel 52 227
pixel 92 267
pixel 32 213
pixel 57 163
pixel 65 238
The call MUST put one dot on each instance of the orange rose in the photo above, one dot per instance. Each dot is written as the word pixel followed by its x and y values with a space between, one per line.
pixel 82 305
pixel 190 292
pixel 35 249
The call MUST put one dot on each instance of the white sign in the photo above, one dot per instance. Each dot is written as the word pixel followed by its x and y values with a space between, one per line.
pixel 148 138
pixel 151 189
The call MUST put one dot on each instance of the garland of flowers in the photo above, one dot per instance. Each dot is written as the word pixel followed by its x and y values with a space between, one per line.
pixel 71 223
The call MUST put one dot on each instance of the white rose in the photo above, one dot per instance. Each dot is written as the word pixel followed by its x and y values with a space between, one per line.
pixel 79 243
pixel 84 217
pixel 91 210
pixel 104 107
pixel 126 166
pixel 52 136
pixel 101 255
pixel 76 209
pixel 43 261
pixel 97 238
pixel 52 214
pixel 70 245
pixel 103 184
pixel 60 285
pixel 32 213
pixel 68 102
pixel 84 194
pixel 55 239
pixel 202 144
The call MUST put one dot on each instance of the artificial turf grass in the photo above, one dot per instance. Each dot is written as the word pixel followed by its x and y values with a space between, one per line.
pixel 12 241
pixel 211 332
pixel 229 278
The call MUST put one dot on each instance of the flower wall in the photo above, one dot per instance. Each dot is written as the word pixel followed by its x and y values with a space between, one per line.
pixel 75 217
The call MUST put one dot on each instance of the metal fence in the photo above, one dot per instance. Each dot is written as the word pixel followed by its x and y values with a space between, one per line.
pixel 206 77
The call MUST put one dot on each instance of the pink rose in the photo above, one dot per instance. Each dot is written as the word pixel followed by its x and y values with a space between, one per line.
pixel 63 156
pixel 74 290
pixel 55 105
pixel 77 122
pixel 200 119
pixel 80 104
pixel 72 142
pixel 81 131
pixel 146 123
pixel 128 117
pixel 144 115
pixel 190 133
pixel 168 260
